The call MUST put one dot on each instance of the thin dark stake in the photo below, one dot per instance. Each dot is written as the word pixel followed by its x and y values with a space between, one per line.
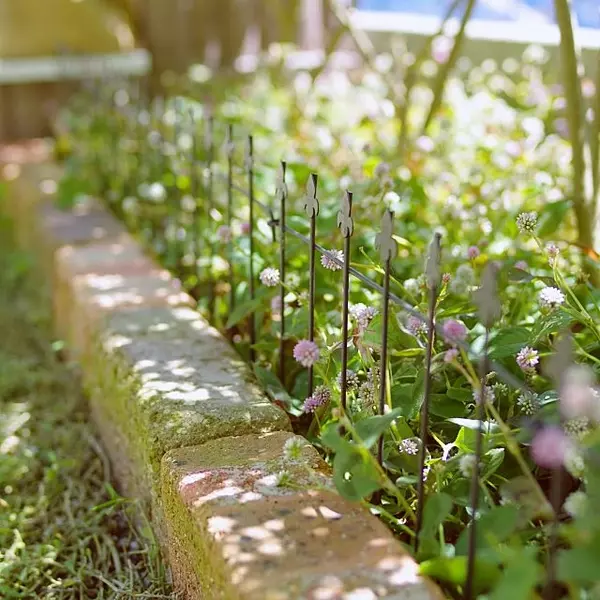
pixel 209 145
pixel 229 148
pixel 433 281
pixel 250 170
pixel 387 248
pixel 196 245
pixel 311 207
pixel 282 192
pixel 474 494
pixel 346 225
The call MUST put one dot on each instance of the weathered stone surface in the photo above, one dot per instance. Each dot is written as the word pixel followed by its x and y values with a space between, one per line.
pixel 232 528
pixel 167 379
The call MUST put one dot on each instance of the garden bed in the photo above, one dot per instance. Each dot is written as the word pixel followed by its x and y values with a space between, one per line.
pixel 243 508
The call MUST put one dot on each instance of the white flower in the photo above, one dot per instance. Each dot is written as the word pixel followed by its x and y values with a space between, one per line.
pixel 489 395
pixel 466 464
pixel 409 446
pixel 551 297
pixel 574 462
pixel 576 503
pixel 331 264
pixel 527 221
pixel 292 449
pixel 156 192
pixel 411 286
pixel 269 277
pixel 363 315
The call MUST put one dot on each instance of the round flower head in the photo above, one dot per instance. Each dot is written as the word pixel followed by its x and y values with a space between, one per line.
pixel 292 449
pixel 576 503
pixel 451 355
pixel 489 395
pixel 306 353
pixel 269 277
pixel 473 252
pixel 366 395
pixel 574 462
pixel 352 380
pixel 549 447
pixel 276 306
pixel 577 428
pixel 409 446
pixel 466 465
pixel 224 234
pixel 320 397
pixel 363 315
pixel 454 331
pixel 552 251
pixel 245 228
pixel 415 325
pixel 527 221
pixel 382 170
pixel 527 358
pixel 411 286
pixel 331 264
pixel 521 265
pixel 551 297
pixel 528 403
pixel 577 396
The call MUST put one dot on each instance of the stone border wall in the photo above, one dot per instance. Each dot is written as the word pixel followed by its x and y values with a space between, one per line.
pixel 188 430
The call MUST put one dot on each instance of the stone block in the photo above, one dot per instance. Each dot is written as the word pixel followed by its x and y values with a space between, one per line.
pixel 231 528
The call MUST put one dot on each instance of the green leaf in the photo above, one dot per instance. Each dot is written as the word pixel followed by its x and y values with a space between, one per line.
pixel 580 565
pixel 509 341
pixel 552 216
pixel 246 308
pixel 454 570
pixel 370 429
pixel 443 406
pixel 552 323
pixel 403 400
pixel 353 475
pixel 493 527
pixel 493 459
pixel 437 508
pixel 521 575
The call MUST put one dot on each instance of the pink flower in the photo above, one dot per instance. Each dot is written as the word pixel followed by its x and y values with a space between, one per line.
pixel 521 265
pixel 269 277
pixel 416 325
pixel 306 353
pixel 224 234
pixel 446 277
pixel 454 331
pixel 320 397
pixel 329 263
pixel 245 228
pixel 549 447
pixel 276 305
pixel 473 252
pixel 450 355
pixel 527 358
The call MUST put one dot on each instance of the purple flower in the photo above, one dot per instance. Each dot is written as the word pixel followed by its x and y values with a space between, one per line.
pixel 224 234
pixel 549 447
pixel 331 264
pixel 306 353
pixel 446 277
pixel 527 358
pixel 552 251
pixel 269 277
pixel 454 331
pixel 415 325
pixel 320 397
pixel 245 228
pixel 276 305
pixel 363 315
pixel 521 265
pixel 451 355
pixel 473 252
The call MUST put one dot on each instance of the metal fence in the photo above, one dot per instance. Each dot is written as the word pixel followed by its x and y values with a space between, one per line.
pixel 160 223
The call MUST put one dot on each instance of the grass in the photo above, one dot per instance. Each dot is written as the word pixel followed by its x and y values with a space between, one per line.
pixel 64 531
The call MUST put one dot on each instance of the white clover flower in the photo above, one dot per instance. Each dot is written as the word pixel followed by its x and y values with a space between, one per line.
pixel 292 449
pixel 528 403
pixel 331 264
pixel 466 465
pixel 411 286
pixel 551 297
pixel 576 503
pixel 409 446
pixel 527 221
pixel 574 462
pixel 269 277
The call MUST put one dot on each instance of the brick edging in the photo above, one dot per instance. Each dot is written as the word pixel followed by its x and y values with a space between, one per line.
pixel 188 430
